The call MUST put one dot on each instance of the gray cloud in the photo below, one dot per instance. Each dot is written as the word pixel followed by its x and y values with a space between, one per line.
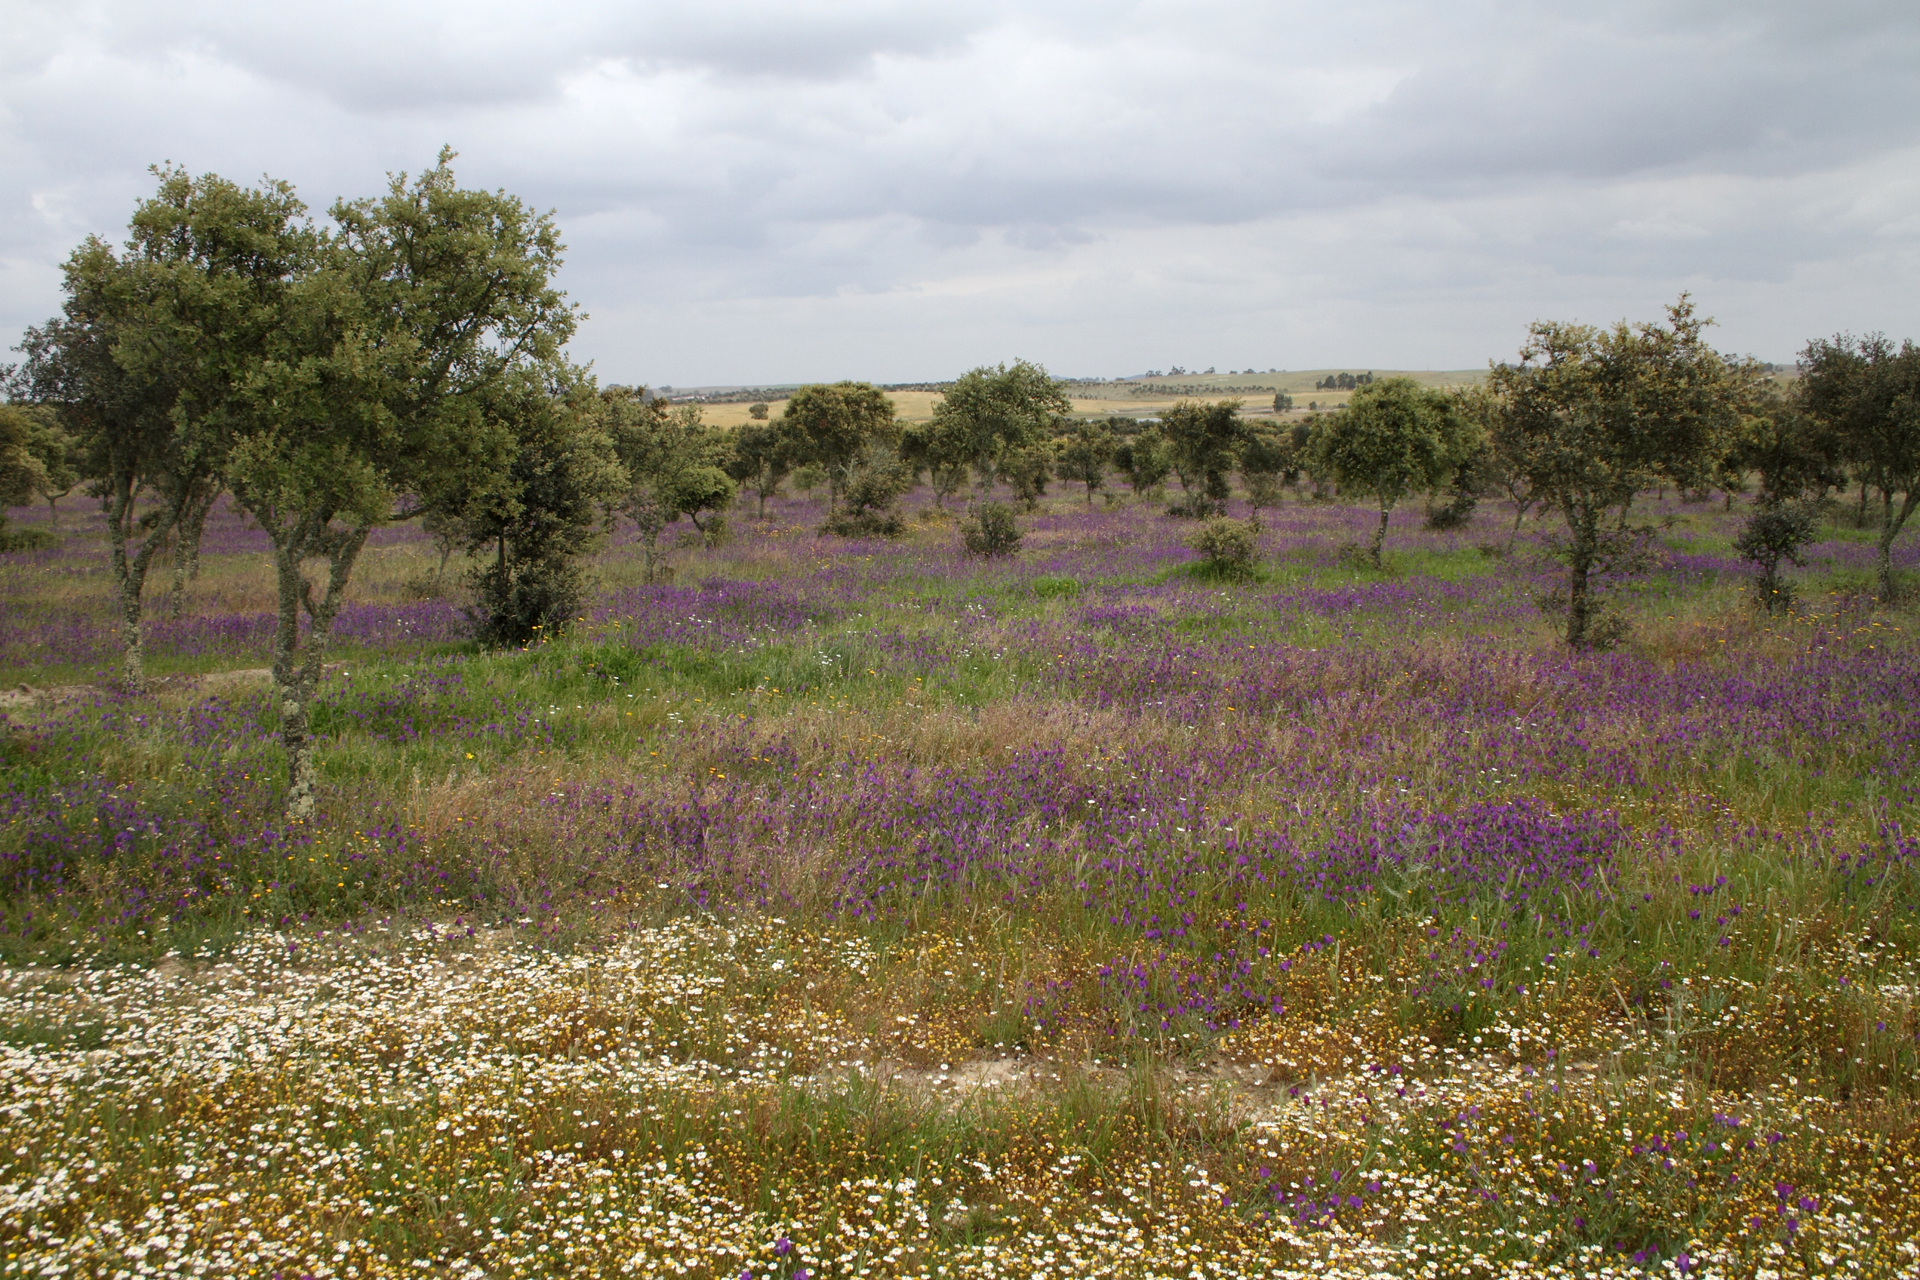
pixel 758 190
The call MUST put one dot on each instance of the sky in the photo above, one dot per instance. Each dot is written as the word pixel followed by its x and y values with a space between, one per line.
pixel 763 192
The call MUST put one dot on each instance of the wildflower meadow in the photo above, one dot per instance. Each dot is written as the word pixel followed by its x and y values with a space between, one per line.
pixel 829 908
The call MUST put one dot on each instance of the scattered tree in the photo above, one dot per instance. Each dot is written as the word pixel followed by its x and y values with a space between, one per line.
pixel 21 473
pixel 672 463
pixel 142 366
pixel 1205 440
pixel 870 503
pixel 1266 459
pixel 997 418
pixel 1394 437
pixel 940 449
pixel 1146 460
pixel 1590 416
pixel 1795 454
pixel 1231 547
pixel 58 452
pixel 542 513
pixel 762 458
pixel 1868 392
pixel 1084 453
pixel 378 390
pixel 835 424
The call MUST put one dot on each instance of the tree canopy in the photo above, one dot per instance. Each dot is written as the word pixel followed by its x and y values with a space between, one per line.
pixel 1591 416
pixel 1394 437
pixel 1866 391
pixel 993 415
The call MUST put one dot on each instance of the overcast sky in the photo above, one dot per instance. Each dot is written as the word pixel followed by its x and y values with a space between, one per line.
pixel 787 190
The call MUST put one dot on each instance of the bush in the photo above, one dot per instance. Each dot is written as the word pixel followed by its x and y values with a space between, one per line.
pixel 990 531
pixel 518 602
pixel 1771 535
pixel 884 523
pixel 26 539
pixel 870 507
pixel 1231 547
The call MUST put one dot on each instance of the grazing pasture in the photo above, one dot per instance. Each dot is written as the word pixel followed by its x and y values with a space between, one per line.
pixel 843 908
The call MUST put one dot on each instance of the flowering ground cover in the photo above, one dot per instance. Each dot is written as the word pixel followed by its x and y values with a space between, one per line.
pixel 846 908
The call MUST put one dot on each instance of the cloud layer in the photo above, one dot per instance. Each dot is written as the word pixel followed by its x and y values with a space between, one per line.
pixel 775 191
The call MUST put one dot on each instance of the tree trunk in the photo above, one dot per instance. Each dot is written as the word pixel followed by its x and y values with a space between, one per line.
pixel 53 514
pixel 1891 521
pixel 130 570
pixel 297 668
pixel 186 547
pixel 1583 544
pixel 1380 535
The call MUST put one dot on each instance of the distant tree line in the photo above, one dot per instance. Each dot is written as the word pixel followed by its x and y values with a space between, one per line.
pixel 1344 381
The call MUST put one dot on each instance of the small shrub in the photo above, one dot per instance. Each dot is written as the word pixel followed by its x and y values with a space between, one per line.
pixel 886 522
pixel 1354 555
pixel 1455 512
pixel 990 531
pixel 1771 535
pixel 27 539
pixel 1231 547
pixel 518 602
pixel 423 586
pixel 1195 506
pixel 809 478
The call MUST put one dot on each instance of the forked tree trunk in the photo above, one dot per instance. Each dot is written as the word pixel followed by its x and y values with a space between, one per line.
pixel 130 570
pixel 186 546
pixel 297 667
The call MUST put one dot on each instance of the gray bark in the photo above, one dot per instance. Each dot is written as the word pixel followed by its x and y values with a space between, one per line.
pixel 130 567
pixel 297 667
pixel 1891 520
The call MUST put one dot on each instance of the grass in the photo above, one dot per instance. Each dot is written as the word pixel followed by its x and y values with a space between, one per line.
pixel 849 908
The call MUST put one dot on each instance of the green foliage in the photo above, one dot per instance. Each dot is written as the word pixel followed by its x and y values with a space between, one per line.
pixel 870 507
pixel 833 425
pixel 1452 506
pixel 1204 442
pixel 1026 472
pixel 1773 534
pixel 1146 460
pixel 546 514
pixel 1083 455
pixel 1797 454
pixel 1591 416
pixel 1393 438
pixel 991 531
pixel 762 457
pixel 1231 547
pixel 21 473
pixel 1267 462
pixel 673 463
pixel 1867 392
pixel 996 419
